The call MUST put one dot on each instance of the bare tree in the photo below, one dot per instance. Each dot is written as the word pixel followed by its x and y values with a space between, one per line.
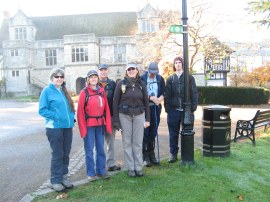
pixel 161 44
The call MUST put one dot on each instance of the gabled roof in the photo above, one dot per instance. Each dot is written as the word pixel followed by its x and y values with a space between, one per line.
pixel 101 24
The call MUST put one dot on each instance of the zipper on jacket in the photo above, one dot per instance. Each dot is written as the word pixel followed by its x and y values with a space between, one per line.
pixel 66 107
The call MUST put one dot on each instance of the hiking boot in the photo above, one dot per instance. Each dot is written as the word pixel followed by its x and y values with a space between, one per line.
pixel 153 159
pixel 173 158
pixel 66 182
pixel 131 173
pixel 114 168
pixel 58 187
pixel 103 176
pixel 92 178
pixel 139 173
pixel 147 162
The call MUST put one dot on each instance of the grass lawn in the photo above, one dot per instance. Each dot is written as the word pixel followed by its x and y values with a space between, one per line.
pixel 244 176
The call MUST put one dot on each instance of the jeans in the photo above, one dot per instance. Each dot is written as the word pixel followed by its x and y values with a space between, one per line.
pixel 95 137
pixel 151 132
pixel 175 119
pixel 60 140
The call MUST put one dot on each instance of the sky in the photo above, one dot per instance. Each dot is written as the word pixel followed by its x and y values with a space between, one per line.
pixel 231 21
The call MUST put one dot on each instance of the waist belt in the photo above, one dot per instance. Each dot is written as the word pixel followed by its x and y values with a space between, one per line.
pixel 179 109
pixel 97 117
pixel 130 106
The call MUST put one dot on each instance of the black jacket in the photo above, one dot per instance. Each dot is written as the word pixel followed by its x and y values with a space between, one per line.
pixel 110 88
pixel 174 93
pixel 133 101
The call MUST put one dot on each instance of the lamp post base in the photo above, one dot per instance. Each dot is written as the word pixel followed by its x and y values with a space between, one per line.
pixel 187 147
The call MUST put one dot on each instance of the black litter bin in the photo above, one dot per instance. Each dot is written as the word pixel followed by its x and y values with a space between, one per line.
pixel 216 131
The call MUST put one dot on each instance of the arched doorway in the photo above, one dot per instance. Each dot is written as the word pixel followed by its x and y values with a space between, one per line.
pixel 80 84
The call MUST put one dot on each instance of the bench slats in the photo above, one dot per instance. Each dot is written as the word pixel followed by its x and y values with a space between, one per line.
pixel 245 128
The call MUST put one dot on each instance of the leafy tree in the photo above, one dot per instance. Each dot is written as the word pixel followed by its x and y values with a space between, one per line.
pixel 259 77
pixel 260 8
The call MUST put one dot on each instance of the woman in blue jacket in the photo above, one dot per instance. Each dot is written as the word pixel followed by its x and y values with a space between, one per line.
pixel 57 107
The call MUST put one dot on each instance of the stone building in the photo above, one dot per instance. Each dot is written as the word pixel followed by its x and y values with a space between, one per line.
pixel 31 46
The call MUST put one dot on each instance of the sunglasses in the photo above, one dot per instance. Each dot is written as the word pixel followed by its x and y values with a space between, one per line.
pixel 131 68
pixel 57 77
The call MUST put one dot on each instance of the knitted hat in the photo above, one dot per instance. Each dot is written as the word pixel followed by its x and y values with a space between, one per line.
pixel 178 58
pixel 153 68
pixel 56 71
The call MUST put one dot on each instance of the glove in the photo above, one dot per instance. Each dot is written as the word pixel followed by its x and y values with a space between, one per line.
pixel 116 125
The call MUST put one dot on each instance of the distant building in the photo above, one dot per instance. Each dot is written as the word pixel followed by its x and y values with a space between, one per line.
pixel 250 55
pixel 31 47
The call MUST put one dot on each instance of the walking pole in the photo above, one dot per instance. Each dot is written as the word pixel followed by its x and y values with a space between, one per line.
pixel 157 132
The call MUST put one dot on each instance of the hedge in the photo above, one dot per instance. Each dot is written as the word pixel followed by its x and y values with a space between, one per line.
pixel 233 95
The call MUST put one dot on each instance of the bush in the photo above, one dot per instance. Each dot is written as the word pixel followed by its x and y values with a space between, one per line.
pixel 233 95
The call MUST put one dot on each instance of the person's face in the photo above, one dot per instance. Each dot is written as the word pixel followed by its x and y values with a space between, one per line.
pixel 152 75
pixel 93 80
pixel 103 73
pixel 58 79
pixel 178 65
pixel 132 72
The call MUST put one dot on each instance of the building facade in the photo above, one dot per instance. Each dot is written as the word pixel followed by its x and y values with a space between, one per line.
pixel 31 47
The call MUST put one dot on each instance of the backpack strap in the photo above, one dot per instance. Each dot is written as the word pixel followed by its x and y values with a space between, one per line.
pixel 87 96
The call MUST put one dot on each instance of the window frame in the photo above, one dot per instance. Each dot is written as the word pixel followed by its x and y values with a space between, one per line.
pixel 79 54
pixel 20 33
pixel 50 57
pixel 14 52
pixel 120 53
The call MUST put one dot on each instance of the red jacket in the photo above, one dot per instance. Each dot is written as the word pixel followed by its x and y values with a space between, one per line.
pixel 97 106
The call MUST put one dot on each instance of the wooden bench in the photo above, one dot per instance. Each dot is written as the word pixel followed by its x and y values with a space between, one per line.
pixel 245 128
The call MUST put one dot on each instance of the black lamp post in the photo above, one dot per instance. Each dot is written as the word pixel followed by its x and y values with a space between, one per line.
pixel 187 133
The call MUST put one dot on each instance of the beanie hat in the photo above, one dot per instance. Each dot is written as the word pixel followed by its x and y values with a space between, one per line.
pixel 103 66
pixel 92 72
pixel 178 58
pixel 153 68
pixel 56 71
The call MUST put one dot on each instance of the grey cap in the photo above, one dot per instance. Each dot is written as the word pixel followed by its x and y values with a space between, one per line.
pixel 92 72
pixel 103 66
pixel 153 68
pixel 132 64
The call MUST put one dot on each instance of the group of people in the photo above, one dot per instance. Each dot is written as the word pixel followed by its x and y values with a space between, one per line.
pixel 132 106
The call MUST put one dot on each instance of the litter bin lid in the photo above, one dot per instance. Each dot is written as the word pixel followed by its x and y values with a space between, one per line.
pixel 217 107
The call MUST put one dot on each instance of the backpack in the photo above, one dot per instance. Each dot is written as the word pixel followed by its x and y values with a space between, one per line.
pixel 87 96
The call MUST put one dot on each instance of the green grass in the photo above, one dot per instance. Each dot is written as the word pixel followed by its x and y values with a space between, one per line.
pixel 29 98
pixel 243 175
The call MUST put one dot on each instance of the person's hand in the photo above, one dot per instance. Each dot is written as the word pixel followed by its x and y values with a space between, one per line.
pixel 116 125
pixel 146 124
pixel 159 100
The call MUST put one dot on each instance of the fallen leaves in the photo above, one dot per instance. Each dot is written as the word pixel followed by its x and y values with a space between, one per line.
pixel 62 196
pixel 240 198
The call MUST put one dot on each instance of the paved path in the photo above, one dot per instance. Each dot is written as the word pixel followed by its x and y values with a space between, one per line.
pixel 77 164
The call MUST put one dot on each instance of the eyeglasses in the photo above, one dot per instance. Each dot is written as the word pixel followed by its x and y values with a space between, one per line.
pixel 131 68
pixel 57 77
